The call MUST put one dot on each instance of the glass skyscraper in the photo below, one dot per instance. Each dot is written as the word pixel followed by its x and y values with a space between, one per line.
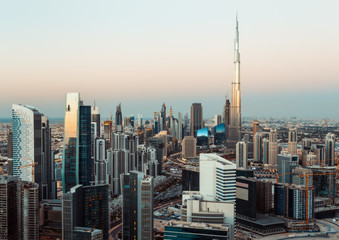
pixel 219 134
pixel 85 146
pixel 70 166
pixel 26 142
pixel 77 162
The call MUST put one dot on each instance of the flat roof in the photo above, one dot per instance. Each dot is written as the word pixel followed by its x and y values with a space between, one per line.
pixel 263 220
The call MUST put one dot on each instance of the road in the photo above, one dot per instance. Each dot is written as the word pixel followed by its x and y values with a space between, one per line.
pixel 113 232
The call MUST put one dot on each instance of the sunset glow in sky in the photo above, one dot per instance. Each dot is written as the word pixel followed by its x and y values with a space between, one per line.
pixel 144 53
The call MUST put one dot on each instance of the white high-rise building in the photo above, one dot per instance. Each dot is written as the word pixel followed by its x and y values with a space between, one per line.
pixel 292 141
pixel 273 148
pixel 217 178
pixel 241 155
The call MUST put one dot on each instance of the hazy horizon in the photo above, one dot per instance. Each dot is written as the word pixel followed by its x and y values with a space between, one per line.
pixel 177 52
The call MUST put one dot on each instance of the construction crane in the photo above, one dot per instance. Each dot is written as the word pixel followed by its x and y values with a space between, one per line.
pixel 307 177
pixel 277 176
pixel 32 166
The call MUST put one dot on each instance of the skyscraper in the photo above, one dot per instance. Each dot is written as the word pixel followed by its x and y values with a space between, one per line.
pixel 330 149
pixel 257 147
pixel 118 118
pixel 95 117
pixel 292 141
pixel 255 128
pixel 235 110
pixel 77 162
pixel 226 112
pixel 85 146
pixel 180 126
pixel 70 166
pixel 48 188
pixel 85 207
pixel 27 142
pixel 273 148
pixel 241 155
pixel 196 118
pixel 163 124
pixel 137 209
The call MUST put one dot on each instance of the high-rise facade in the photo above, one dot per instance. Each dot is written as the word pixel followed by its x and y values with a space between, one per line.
pixel 273 148
pixel 180 126
pixel 95 117
pixel 189 146
pixel 137 209
pixel 70 166
pixel 85 207
pixel 85 147
pixel 241 155
pixel 196 118
pixel 292 141
pixel 217 178
pixel 226 112
pixel 265 150
pixel 330 149
pixel 77 160
pixel 286 164
pixel 255 128
pixel 118 118
pixel 163 119
pixel 9 208
pixel 48 187
pixel 30 150
pixel 235 109
pixel 257 147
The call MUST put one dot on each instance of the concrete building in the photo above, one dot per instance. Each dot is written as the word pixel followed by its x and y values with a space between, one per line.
pixel 189 146
pixel 184 230
pixel 330 150
pixel 137 209
pixel 196 118
pixel 273 148
pixel 241 155
pixel 217 178
pixel 292 141
pixel 286 164
pixel 257 147
pixel 255 128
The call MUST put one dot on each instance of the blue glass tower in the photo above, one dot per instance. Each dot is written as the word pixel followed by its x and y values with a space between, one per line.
pixel 85 146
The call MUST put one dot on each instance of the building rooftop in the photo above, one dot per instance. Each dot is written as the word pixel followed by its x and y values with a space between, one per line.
pixel 264 220
pixel 215 157
pixel 220 227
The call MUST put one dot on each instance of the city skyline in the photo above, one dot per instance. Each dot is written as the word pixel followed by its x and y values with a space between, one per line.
pixel 136 48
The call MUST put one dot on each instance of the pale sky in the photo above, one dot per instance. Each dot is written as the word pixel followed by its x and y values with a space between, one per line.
pixel 144 53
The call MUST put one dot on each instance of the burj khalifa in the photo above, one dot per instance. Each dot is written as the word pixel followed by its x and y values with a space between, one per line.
pixel 234 128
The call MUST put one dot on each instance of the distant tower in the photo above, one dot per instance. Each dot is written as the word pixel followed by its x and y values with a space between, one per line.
pixel 292 141
pixel 273 148
pixel 180 126
pixel 241 155
pixel 217 119
pixel 96 118
pixel 196 118
pixel 226 113
pixel 255 128
pixel 257 146
pixel 171 112
pixel 118 118
pixel 163 117
pixel 235 110
pixel 330 149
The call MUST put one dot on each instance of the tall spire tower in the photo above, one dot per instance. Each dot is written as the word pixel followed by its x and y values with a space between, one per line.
pixel 235 110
